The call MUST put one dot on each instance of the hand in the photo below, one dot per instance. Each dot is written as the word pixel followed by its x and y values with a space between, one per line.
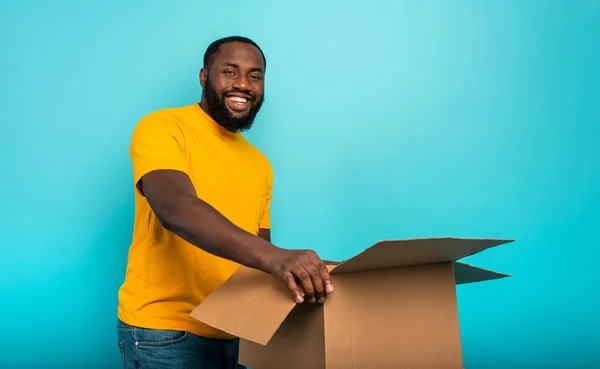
pixel 302 267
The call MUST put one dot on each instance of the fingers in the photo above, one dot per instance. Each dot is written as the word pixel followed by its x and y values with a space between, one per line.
pixel 319 277
pixel 306 282
pixel 326 278
pixel 290 281
pixel 306 272
pixel 318 284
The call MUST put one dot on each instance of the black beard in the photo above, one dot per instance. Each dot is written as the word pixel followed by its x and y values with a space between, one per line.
pixel 219 112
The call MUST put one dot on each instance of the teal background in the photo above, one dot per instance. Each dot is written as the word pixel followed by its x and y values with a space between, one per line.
pixel 382 120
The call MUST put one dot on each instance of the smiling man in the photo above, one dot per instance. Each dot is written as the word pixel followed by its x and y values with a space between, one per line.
pixel 202 198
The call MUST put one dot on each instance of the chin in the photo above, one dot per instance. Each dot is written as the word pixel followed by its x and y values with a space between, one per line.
pixel 237 114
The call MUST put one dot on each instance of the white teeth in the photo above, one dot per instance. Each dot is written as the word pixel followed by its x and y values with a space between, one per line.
pixel 238 99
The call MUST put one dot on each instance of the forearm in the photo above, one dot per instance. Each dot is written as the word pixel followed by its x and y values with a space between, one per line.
pixel 203 226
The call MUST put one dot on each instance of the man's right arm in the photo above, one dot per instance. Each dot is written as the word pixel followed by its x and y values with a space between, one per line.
pixel 172 197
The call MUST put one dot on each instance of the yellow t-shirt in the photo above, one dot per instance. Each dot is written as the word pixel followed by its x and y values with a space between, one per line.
pixel 167 277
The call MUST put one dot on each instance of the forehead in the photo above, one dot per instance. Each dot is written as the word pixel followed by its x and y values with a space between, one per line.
pixel 241 54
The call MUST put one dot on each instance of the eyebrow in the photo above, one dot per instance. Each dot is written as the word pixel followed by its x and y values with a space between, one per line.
pixel 255 69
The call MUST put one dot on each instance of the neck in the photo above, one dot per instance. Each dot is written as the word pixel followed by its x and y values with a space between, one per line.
pixel 204 106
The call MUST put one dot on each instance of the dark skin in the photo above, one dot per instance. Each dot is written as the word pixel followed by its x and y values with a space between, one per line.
pixel 173 199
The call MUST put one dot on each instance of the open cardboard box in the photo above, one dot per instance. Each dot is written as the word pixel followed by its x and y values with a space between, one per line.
pixel 394 307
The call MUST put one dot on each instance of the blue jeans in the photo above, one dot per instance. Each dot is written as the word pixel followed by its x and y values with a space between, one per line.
pixel 143 348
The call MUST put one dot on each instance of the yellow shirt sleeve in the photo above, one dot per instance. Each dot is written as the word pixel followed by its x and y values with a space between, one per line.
pixel 157 143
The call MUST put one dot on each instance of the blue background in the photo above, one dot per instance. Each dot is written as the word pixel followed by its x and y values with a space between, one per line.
pixel 382 120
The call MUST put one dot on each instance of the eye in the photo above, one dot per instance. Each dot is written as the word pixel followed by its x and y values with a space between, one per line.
pixel 229 72
pixel 256 77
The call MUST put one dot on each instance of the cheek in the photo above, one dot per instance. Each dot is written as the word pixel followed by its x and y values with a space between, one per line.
pixel 258 89
pixel 221 86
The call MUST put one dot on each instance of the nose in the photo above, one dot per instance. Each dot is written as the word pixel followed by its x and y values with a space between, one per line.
pixel 241 82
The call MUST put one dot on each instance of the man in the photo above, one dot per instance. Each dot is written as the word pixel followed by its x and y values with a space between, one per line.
pixel 202 197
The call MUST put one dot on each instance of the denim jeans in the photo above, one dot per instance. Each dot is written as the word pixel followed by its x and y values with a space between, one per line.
pixel 143 348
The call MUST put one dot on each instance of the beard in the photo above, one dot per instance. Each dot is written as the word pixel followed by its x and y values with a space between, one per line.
pixel 221 114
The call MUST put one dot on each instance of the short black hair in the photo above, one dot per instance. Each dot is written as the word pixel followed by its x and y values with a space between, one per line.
pixel 213 48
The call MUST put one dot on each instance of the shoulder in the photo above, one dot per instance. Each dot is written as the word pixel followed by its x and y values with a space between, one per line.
pixel 162 118
pixel 167 121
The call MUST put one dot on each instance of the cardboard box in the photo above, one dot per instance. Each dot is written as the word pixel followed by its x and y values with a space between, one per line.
pixel 394 306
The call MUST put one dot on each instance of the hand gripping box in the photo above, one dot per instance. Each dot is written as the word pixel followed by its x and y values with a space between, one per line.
pixel 394 307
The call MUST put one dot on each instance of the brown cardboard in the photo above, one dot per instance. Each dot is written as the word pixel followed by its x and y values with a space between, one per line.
pixel 394 306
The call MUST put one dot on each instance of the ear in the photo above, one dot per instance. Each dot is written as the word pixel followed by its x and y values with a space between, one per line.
pixel 203 74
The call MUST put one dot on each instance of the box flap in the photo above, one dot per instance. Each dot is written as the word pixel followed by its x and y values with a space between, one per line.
pixel 465 273
pixel 299 343
pixel 250 304
pixel 402 253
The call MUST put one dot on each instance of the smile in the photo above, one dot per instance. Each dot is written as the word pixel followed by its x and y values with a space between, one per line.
pixel 237 103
